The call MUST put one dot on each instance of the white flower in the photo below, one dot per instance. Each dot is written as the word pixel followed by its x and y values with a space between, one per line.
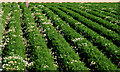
pixel 116 51
pixel 107 17
pixel 32 26
pixel 110 8
pixel 3 65
pixel 92 63
pixel 55 65
pixel 10 30
pixel 22 69
pixel 6 64
pixel 76 39
pixel 0 45
pixel 78 23
pixel 11 61
pixel 76 61
pixel 1 69
pixel 45 66
pixel 103 8
pixel 15 61
pixel 71 62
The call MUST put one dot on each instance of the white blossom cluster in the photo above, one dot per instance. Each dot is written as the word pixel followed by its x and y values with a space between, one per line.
pixel 110 8
pixel 81 6
pixel 107 17
pixel 55 65
pixel 46 66
pixel 15 10
pixel 87 10
pixel 103 8
pixel 38 14
pixel 14 63
pixel 76 39
pixel 9 14
pixel 78 23
pixel 29 29
pixel 106 44
pixel 112 11
pixel 46 23
pixel 41 5
pixel 73 61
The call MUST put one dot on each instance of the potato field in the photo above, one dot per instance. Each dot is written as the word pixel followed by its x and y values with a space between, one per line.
pixel 60 37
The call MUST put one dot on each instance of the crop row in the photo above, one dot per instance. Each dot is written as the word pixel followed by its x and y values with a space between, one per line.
pixel 104 44
pixel 14 52
pixel 93 57
pixel 4 17
pixel 40 54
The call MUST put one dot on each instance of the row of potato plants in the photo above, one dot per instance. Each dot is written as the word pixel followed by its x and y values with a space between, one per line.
pixel 94 59
pixel 4 15
pixel 14 52
pixel 104 44
pixel 41 57
pixel 94 26
pixel 98 14
pixel 66 57
pixel 98 20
